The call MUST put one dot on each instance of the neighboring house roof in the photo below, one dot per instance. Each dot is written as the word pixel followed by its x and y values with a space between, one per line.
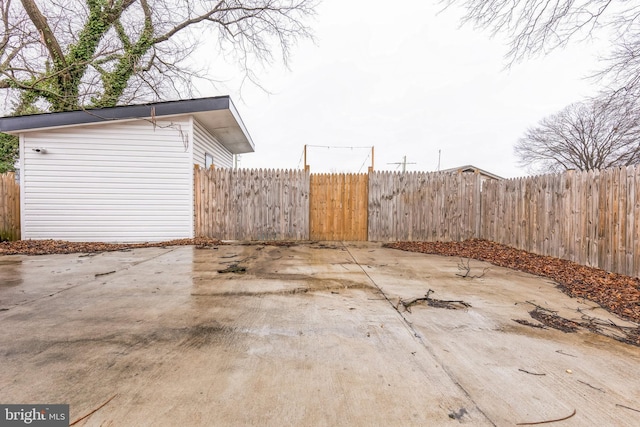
pixel 473 169
pixel 217 114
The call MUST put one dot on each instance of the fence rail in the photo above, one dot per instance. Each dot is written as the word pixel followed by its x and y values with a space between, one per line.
pixel 9 207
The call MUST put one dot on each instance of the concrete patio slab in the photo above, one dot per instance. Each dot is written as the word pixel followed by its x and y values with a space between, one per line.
pixel 309 335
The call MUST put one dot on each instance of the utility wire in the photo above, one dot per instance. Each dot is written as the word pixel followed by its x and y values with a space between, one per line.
pixel 301 156
pixel 336 146
pixel 365 161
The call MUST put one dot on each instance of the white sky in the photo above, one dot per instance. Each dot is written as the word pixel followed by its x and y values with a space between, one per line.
pixel 401 78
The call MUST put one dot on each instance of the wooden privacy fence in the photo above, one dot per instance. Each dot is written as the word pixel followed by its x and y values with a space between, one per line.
pixel 9 207
pixel 251 204
pixel 423 206
pixel 592 218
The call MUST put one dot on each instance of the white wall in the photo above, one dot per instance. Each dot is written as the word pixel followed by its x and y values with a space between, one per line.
pixel 203 142
pixel 117 182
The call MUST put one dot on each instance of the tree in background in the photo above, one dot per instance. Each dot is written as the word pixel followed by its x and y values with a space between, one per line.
pixel 597 133
pixel 8 152
pixel 585 136
pixel 537 27
pixel 64 55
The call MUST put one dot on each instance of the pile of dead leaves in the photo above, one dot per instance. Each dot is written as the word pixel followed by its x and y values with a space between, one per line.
pixel 615 292
pixel 44 247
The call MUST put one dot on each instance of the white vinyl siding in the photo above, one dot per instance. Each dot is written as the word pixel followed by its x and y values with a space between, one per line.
pixel 204 142
pixel 117 182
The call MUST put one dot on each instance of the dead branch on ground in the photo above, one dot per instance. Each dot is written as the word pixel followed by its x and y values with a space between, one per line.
pixel 539 307
pixel 438 303
pixel 554 321
pixel 527 323
pixel 466 270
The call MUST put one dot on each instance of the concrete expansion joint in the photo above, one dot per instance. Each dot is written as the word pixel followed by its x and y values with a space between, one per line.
pixel 418 337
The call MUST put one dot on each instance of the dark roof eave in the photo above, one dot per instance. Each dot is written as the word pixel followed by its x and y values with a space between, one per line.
pixel 242 140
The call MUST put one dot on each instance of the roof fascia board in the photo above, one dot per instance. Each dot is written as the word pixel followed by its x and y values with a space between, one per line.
pixel 243 128
pixel 19 124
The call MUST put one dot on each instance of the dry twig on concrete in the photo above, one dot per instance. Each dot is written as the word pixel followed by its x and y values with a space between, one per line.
pixel 626 407
pixel 93 411
pixel 466 270
pixel 565 354
pixel 548 421
pixel 531 373
pixel 595 388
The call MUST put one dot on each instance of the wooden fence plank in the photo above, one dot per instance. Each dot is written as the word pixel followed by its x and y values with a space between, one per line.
pixel 9 207
pixel 251 204
pixel 635 227
pixel 628 235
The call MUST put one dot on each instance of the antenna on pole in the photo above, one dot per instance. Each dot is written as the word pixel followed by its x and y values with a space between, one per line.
pixel 439 152
pixel 403 163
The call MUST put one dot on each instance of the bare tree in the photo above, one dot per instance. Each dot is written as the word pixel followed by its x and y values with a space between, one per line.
pixel 539 26
pixel 66 54
pixel 595 134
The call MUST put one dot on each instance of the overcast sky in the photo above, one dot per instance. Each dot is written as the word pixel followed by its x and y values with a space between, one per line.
pixel 408 81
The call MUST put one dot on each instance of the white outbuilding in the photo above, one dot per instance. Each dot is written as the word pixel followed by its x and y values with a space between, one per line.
pixel 121 174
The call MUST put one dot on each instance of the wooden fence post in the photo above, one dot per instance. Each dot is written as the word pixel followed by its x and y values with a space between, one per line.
pixel 9 207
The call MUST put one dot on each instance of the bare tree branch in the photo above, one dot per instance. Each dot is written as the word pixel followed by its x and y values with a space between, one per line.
pixel 48 37
pixel 69 54
pixel 534 27
pixel 591 135
pixel 538 26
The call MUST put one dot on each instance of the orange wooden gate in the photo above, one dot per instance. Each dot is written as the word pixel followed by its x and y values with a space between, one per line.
pixel 338 207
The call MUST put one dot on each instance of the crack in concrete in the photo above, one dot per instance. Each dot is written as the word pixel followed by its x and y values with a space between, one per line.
pixel 418 337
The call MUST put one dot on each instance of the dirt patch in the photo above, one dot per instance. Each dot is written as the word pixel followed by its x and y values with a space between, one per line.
pixel 233 268
pixel 616 293
pixel 311 285
pixel 46 247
